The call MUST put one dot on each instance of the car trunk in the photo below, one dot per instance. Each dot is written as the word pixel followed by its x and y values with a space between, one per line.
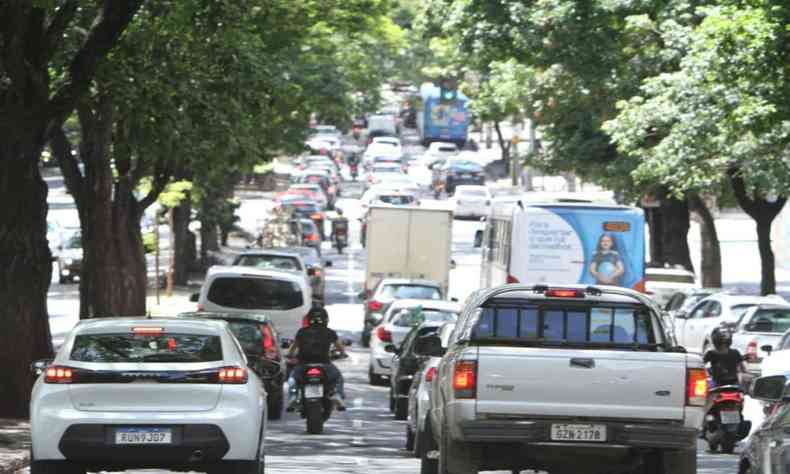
pixel 581 383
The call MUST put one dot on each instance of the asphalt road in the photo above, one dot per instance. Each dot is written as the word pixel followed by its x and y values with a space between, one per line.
pixel 365 438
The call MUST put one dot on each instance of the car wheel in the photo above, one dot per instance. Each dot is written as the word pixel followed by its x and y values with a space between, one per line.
pixel 401 408
pixel 428 465
pixel 409 439
pixel 239 467
pixel 463 460
pixel 374 379
pixel 392 401
pixel 275 403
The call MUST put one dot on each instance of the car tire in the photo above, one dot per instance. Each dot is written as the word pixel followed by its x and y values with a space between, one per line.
pixel 401 408
pixel 275 404
pixel 374 379
pixel 670 462
pixel 409 439
pixel 239 467
pixel 55 467
pixel 428 465
pixel 392 401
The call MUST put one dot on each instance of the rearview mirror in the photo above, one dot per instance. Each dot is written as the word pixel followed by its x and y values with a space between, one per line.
pixel 769 389
pixel 430 346
pixel 453 264
pixel 38 367
pixel 194 297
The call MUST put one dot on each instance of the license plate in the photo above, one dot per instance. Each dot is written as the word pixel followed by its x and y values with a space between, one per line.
pixel 466 175
pixel 580 433
pixel 729 417
pixel 313 391
pixel 143 436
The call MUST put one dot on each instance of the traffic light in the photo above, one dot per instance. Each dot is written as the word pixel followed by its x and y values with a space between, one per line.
pixel 448 90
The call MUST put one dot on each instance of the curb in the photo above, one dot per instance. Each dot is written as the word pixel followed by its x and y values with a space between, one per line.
pixel 15 465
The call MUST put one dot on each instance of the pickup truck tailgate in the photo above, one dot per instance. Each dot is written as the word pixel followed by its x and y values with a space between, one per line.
pixel 581 383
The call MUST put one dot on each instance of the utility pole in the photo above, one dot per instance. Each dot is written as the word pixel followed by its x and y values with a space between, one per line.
pixel 156 254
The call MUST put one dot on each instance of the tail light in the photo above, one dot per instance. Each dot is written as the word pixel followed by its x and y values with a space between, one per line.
pixel 305 322
pixel 736 397
pixel 312 237
pixel 751 352
pixel 317 216
pixel 269 346
pixel 430 374
pixel 374 305
pixel 383 334
pixel 563 293
pixel 314 372
pixel 465 379
pixel 696 387
pixel 232 375
pixel 512 279
pixel 200 308
pixel 57 374
pixel 147 331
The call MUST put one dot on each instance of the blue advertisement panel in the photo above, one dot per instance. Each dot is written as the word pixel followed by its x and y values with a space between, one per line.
pixel 446 120
pixel 587 245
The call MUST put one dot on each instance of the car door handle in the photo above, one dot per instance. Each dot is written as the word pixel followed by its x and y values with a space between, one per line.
pixel 583 363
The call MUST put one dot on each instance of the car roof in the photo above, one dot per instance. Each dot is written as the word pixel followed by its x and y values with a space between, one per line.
pixel 729 298
pixel 407 281
pixel 171 325
pixel 440 305
pixel 255 317
pixel 254 272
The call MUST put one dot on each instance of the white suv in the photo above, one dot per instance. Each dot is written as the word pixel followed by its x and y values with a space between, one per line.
pixel 285 297
pixel 134 393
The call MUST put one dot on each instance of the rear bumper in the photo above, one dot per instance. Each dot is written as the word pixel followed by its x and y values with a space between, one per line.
pixel 538 432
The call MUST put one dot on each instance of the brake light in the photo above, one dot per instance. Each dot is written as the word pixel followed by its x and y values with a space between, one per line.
pixel 55 374
pixel 374 305
pixel 430 374
pixel 314 372
pixel 751 352
pixel 147 331
pixel 232 375
pixel 383 334
pixel 312 237
pixel 465 379
pixel 730 397
pixel 696 387
pixel 305 322
pixel 317 216
pixel 512 279
pixel 268 340
pixel 561 293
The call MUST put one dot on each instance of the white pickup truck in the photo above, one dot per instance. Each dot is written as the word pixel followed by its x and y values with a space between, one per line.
pixel 566 379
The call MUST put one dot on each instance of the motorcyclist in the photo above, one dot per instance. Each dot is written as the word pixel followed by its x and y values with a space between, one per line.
pixel 311 346
pixel 338 220
pixel 726 364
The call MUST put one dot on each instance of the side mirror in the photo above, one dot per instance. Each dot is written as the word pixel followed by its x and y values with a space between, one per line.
pixel 768 349
pixel 286 343
pixel 328 263
pixel 391 349
pixel 478 239
pixel 38 367
pixel 194 297
pixel 769 389
pixel 430 346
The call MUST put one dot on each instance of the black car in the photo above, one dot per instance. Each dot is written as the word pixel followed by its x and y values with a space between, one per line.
pixel 261 345
pixel 457 171
pixel 405 363
pixel 768 450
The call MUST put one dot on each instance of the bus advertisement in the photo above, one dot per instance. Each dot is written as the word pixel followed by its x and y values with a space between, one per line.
pixel 565 244
pixel 438 120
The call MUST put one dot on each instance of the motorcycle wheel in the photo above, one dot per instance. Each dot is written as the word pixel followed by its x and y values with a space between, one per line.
pixel 728 444
pixel 314 416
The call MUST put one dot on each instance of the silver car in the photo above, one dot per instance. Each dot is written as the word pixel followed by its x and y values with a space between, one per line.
pixel 760 326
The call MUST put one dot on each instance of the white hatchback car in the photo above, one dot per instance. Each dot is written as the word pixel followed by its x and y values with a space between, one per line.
pixel 284 296
pixel 472 201
pixel 134 393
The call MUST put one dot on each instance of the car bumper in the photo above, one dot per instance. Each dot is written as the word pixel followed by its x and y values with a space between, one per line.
pixel 472 210
pixel 619 434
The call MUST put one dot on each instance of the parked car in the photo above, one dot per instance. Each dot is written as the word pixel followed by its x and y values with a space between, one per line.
pixel 393 330
pixel 760 326
pixel 105 402
pixel 767 450
pixel 777 359
pixel 261 344
pixel 378 300
pixel 661 283
pixel 420 395
pixel 69 258
pixel 457 171
pixel 551 378
pixel 693 330
pixel 284 297
pixel 472 201
pixel 405 362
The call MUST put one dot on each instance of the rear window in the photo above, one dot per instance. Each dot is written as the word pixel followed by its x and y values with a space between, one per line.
pixel 146 348
pixel 255 293
pixel 251 335
pixel 414 292
pixel 557 324
pixel 740 309
pixel 269 262
pixel 770 320
pixel 396 200
pixel 416 316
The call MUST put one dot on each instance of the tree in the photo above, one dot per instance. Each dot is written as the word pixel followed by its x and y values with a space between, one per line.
pixel 32 103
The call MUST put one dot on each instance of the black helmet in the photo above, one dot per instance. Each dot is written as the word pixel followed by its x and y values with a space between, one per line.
pixel 317 317
pixel 721 337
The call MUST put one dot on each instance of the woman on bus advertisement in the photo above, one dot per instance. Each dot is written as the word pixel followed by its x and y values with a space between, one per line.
pixel 607 265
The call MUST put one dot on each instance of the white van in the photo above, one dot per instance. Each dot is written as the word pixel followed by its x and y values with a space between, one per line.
pixel 284 297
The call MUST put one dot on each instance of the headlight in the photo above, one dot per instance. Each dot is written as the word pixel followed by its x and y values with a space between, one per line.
pixel 68 261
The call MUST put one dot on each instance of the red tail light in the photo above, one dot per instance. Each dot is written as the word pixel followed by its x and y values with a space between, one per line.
pixel 560 293
pixel 430 374
pixel 316 216
pixel 305 322
pixel 268 339
pixel 314 372
pixel 465 379
pixel 232 375
pixel 696 387
pixel 147 331
pixel 374 305
pixel 383 334
pixel 312 237
pixel 751 352
pixel 736 397
pixel 200 308
pixel 56 374
pixel 512 279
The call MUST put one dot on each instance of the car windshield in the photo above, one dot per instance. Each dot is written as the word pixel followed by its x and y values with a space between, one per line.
pixel 273 262
pixel 386 169
pixel 414 316
pixel 580 325
pixel 775 321
pixel 255 293
pixel 410 291
pixel 301 207
pixel 146 348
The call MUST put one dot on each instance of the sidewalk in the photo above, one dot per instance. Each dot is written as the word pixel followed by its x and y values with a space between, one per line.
pixel 14 445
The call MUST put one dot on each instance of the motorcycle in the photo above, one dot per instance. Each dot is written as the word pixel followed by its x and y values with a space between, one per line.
pixel 315 398
pixel 354 171
pixel 340 233
pixel 724 424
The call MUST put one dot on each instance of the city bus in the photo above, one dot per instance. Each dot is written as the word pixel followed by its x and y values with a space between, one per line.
pixel 563 241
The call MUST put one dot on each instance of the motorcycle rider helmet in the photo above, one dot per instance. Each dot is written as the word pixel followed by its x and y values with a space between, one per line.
pixel 339 211
pixel 317 317
pixel 721 338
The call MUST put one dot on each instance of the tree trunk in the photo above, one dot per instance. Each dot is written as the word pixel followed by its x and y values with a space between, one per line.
pixel 182 215
pixel 675 213
pixel 209 239
pixel 655 225
pixel 503 144
pixel 763 211
pixel 711 250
